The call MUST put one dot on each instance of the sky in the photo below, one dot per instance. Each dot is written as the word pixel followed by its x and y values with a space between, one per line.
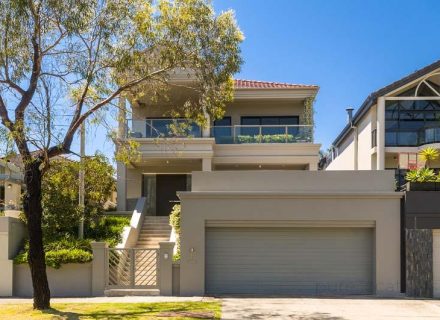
pixel 349 48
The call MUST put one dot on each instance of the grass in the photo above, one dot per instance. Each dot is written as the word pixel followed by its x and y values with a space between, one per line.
pixel 73 311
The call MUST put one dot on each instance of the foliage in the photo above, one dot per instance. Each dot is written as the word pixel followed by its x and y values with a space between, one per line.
pixel 272 138
pixel 61 250
pixel 422 175
pixel 429 154
pixel 136 311
pixel 63 63
pixel 308 114
pixel 175 223
pixel 61 213
pixel 107 229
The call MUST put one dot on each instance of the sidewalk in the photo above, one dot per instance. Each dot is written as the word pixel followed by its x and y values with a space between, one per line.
pixel 108 300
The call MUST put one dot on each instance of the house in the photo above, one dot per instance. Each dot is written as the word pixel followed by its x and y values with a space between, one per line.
pixel 11 181
pixel 257 217
pixel 267 127
pixel 387 132
pixel 391 126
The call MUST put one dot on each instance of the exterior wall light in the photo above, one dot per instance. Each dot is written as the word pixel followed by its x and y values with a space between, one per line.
pixel 9 186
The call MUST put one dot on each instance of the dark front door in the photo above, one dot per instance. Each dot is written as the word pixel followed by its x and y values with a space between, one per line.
pixel 167 185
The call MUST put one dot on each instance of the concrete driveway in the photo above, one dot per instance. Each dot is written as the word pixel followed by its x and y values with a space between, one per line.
pixel 329 309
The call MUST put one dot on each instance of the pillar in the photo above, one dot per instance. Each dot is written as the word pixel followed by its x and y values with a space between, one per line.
pixel 166 268
pixel 207 164
pixel 99 268
pixel 121 186
pixel 380 153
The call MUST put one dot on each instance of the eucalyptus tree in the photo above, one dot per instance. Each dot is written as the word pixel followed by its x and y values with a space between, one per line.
pixel 66 62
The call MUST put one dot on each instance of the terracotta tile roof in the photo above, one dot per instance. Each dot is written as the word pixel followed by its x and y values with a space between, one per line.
pixel 253 84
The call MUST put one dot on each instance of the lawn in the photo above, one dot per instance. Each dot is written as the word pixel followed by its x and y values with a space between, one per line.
pixel 72 311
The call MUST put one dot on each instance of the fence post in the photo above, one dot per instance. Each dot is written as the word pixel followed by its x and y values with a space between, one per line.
pixel 166 268
pixel 99 268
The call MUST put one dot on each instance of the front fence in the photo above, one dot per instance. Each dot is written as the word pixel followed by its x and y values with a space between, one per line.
pixel 132 268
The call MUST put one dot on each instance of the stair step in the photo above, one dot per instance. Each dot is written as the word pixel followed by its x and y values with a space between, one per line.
pixel 131 292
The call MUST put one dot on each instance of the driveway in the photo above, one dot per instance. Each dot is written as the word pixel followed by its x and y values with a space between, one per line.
pixel 329 309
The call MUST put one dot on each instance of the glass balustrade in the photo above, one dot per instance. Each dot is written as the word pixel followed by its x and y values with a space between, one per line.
pixel 163 128
pixel 242 134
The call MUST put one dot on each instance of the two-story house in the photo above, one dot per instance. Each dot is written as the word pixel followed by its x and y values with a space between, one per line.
pixel 257 217
pixel 268 126
pixel 392 125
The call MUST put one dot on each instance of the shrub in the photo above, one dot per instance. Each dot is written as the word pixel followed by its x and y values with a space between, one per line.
pixel 61 252
pixel 68 249
pixel 422 175
pixel 175 223
pixel 107 229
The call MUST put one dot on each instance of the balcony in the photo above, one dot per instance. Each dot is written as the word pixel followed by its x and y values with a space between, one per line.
pixel 162 128
pixel 239 134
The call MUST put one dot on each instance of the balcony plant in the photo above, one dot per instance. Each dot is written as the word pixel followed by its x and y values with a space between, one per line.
pixel 424 179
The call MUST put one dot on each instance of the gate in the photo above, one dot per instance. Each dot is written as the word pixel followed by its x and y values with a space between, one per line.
pixel 132 268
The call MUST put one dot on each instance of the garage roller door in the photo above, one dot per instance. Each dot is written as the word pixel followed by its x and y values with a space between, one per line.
pixel 304 261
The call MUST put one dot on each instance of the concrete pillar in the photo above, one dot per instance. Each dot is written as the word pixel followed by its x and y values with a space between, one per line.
pixel 313 166
pixel 122 121
pixel 121 186
pixel 380 134
pixel 99 268
pixel 207 164
pixel 166 268
pixel 206 130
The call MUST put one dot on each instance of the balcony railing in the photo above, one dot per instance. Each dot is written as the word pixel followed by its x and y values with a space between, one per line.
pixel 162 128
pixel 239 134
pixel 242 134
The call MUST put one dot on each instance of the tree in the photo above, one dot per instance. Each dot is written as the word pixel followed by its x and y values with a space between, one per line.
pixel 66 62
pixel 60 188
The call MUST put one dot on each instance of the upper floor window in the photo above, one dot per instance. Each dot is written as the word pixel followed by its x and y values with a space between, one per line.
pixel 269 125
pixel 411 122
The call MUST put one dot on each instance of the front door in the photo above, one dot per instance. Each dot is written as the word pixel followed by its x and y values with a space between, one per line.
pixel 167 185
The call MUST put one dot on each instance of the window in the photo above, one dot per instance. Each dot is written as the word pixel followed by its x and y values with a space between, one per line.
pixel 162 128
pixel 411 122
pixel 273 125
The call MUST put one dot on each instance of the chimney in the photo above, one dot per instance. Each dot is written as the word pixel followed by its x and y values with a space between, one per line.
pixel 350 116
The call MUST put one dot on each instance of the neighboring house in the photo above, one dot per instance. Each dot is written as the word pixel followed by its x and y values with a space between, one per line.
pixel 268 126
pixel 392 125
pixel 11 181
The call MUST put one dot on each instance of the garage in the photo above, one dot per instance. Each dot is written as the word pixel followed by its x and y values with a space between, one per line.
pixel 289 260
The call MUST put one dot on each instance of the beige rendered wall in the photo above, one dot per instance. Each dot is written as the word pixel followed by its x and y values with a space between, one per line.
pixel 71 280
pixel 364 142
pixel 292 198
pixel 345 159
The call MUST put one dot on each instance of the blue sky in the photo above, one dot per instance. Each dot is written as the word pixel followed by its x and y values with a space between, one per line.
pixel 347 47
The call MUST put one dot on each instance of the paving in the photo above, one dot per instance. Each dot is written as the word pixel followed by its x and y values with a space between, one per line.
pixel 329 309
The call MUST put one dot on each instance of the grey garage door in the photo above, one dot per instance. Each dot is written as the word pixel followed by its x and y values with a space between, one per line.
pixel 307 261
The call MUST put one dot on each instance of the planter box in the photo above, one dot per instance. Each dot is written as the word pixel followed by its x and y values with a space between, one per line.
pixel 423 186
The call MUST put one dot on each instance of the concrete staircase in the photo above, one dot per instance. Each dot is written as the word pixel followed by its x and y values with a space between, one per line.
pixel 155 229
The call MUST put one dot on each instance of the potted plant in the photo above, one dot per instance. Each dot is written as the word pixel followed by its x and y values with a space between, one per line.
pixel 424 179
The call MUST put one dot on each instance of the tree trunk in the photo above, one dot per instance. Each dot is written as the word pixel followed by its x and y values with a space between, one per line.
pixel 33 212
